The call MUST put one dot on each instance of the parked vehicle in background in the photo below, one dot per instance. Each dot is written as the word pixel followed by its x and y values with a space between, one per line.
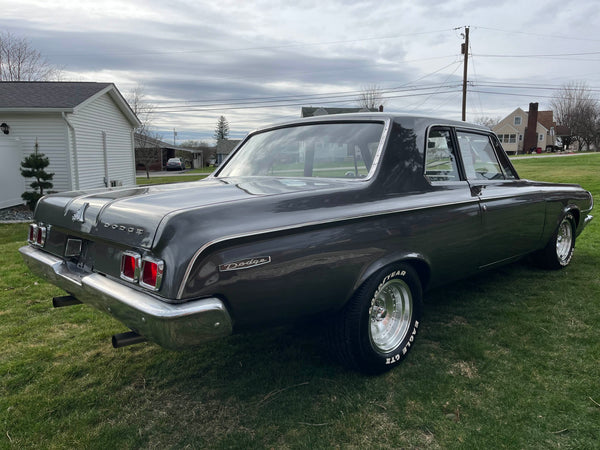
pixel 175 164
pixel 347 217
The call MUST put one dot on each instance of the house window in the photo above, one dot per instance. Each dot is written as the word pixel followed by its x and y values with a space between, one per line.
pixel 517 120
pixel 520 137
pixel 541 137
pixel 512 139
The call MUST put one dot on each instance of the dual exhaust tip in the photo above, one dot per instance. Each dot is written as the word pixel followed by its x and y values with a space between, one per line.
pixel 118 340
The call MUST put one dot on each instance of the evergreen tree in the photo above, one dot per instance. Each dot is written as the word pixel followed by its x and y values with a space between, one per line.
pixel 222 130
pixel 33 167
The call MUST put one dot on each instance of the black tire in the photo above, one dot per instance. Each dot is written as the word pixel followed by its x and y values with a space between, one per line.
pixel 559 250
pixel 377 328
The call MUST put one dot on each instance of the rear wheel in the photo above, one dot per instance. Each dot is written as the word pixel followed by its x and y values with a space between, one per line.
pixel 559 250
pixel 378 326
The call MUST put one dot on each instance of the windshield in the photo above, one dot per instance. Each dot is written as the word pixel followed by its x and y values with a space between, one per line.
pixel 327 150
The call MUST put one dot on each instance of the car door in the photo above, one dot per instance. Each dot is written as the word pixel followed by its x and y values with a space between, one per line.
pixel 451 228
pixel 512 211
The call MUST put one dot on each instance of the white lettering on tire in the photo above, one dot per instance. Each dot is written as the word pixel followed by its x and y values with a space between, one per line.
pixel 395 358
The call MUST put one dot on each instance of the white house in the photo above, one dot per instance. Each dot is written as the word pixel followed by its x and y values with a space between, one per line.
pixel 85 130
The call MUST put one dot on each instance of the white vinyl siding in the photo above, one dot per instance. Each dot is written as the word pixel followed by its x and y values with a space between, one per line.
pixel 49 129
pixel 93 119
pixel 75 151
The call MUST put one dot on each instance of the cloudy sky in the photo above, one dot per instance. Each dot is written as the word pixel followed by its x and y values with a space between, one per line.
pixel 258 62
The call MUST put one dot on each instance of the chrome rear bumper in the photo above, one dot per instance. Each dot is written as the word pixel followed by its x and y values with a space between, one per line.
pixel 171 326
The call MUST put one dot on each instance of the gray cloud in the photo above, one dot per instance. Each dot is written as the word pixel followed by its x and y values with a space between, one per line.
pixel 193 50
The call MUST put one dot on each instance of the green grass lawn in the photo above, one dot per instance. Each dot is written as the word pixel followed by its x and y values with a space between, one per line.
pixel 178 177
pixel 508 359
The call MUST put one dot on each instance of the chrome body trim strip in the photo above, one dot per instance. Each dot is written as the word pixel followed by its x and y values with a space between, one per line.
pixel 171 326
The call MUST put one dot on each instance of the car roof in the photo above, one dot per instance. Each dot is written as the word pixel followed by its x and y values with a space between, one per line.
pixel 424 121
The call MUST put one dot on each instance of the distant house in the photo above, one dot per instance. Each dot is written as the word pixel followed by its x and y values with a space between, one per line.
pixel 309 111
pixel 155 153
pixel 224 148
pixel 513 129
pixel 85 130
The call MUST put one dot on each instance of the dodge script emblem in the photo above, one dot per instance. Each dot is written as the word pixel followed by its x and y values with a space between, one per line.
pixel 245 263
pixel 80 213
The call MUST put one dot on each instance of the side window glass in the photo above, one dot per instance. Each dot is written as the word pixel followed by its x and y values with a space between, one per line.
pixel 507 168
pixel 440 159
pixel 479 157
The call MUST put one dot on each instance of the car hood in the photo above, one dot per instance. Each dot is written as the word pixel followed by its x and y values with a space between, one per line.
pixel 132 215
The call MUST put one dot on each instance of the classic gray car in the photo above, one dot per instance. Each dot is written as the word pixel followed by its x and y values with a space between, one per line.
pixel 347 216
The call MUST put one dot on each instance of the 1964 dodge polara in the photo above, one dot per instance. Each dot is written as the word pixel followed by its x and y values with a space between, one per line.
pixel 348 216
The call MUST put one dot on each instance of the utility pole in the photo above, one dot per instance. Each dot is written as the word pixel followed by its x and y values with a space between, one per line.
pixel 174 137
pixel 465 51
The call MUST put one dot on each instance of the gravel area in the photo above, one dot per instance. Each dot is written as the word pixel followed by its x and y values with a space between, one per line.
pixel 16 214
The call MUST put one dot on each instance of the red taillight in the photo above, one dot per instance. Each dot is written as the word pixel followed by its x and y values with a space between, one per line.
pixel 37 235
pixel 130 266
pixel 147 271
pixel 152 273
pixel 32 233
pixel 41 236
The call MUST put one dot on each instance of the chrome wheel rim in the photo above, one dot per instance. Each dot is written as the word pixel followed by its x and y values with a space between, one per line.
pixel 564 240
pixel 390 315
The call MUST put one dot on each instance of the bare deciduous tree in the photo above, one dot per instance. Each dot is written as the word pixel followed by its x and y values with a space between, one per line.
pixel 576 108
pixel 371 97
pixel 487 121
pixel 147 150
pixel 142 108
pixel 20 62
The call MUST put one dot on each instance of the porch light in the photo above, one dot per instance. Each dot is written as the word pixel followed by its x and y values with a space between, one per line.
pixel 4 127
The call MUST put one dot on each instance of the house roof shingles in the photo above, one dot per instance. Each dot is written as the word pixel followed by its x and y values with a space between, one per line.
pixel 47 94
pixel 546 118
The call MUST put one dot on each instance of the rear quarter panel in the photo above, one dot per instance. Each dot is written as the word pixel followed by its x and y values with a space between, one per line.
pixel 316 268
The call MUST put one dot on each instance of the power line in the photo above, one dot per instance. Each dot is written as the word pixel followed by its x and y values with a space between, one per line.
pixel 553 36
pixel 302 97
pixel 288 104
pixel 555 55
pixel 530 86
pixel 439 87
pixel 512 94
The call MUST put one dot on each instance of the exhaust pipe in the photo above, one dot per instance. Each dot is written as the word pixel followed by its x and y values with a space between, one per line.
pixel 66 300
pixel 128 338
